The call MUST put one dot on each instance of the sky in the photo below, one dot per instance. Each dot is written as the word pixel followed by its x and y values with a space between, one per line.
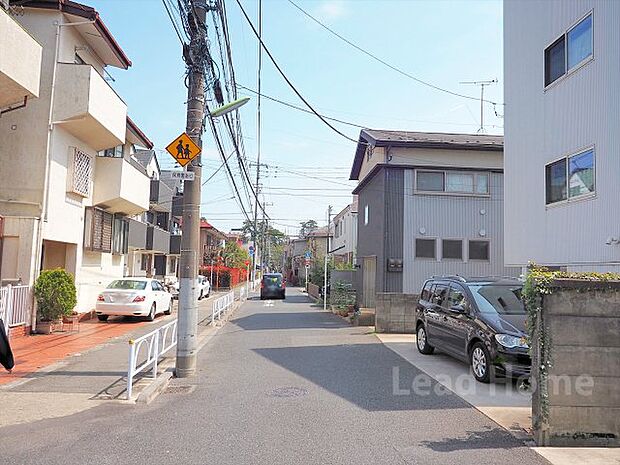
pixel 441 42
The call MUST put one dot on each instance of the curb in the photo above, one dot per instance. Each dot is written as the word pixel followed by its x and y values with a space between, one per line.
pixel 156 387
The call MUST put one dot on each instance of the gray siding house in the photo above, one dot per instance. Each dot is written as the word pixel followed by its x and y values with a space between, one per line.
pixel 561 131
pixel 429 204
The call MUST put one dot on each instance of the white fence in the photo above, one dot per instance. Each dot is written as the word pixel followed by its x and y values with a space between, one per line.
pixel 221 305
pixel 15 305
pixel 145 351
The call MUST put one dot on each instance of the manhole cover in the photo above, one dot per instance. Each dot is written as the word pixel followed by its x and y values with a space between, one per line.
pixel 179 389
pixel 288 392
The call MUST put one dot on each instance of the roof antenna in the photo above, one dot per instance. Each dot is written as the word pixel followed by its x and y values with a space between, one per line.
pixel 481 84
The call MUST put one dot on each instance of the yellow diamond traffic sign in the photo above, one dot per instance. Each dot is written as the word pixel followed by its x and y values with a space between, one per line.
pixel 183 149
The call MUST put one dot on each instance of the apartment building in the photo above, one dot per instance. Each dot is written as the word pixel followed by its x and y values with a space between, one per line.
pixel 561 138
pixel 429 204
pixel 69 180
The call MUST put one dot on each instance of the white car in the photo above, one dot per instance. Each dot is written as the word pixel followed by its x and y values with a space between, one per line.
pixel 134 297
pixel 203 287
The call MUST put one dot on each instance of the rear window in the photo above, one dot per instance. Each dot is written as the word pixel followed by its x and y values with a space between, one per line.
pixel 426 292
pixel 127 284
pixel 276 279
pixel 503 300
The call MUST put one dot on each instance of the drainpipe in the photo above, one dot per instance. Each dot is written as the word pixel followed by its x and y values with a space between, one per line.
pixel 48 157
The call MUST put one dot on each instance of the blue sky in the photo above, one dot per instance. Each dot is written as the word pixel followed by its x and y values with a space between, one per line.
pixel 443 42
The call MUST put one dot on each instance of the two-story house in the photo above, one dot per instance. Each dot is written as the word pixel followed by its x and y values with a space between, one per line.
pixel 69 181
pixel 344 230
pixel 561 134
pixel 429 204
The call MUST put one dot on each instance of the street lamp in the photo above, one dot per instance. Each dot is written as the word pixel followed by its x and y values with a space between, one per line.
pixel 232 106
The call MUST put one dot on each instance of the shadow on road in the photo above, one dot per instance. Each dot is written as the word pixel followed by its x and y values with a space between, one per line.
pixel 489 439
pixel 288 320
pixel 367 375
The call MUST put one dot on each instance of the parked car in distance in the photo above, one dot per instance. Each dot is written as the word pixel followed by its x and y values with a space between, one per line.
pixel 272 286
pixel 133 297
pixel 202 283
pixel 477 320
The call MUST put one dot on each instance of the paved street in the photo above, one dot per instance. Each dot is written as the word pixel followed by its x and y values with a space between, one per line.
pixel 282 382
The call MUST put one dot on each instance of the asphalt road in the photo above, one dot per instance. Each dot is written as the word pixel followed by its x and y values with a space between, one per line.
pixel 282 383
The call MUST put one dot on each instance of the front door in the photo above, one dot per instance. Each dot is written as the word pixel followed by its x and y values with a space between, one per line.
pixel 369 287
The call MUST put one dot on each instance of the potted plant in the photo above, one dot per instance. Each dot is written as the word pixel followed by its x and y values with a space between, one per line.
pixel 56 296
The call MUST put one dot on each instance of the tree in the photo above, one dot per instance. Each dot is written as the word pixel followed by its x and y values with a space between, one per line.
pixel 234 256
pixel 307 227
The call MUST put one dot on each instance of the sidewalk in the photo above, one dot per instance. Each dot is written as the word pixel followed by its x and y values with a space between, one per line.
pixel 79 370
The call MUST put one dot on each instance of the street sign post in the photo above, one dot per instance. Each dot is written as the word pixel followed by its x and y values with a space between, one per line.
pixel 183 149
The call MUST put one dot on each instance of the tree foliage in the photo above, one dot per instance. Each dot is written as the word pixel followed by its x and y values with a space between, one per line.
pixel 306 227
pixel 234 256
pixel 55 293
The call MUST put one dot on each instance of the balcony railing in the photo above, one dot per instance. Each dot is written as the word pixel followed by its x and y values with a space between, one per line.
pixel 157 240
pixel 120 187
pixel 175 244
pixel 137 235
pixel 87 107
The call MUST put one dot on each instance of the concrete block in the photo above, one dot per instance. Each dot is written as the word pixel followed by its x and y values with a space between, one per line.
pixel 576 391
pixel 581 331
pixel 594 361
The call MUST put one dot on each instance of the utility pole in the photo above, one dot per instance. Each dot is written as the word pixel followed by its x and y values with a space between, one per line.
pixel 482 85
pixel 329 219
pixel 190 240
pixel 258 133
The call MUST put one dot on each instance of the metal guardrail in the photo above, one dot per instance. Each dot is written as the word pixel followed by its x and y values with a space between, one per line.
pixel 145 351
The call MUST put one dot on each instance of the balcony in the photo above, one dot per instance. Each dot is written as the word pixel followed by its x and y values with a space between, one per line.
pixel 20 63
pixel 175 244
pixel 120 187
pixel 137 235
pixel 87 107
pixel 157 240
pixel 161 196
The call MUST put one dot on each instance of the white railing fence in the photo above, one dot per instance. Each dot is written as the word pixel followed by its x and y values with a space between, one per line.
pixel 221 305
pixel 15 305
pixel 243 294
pixel 145 351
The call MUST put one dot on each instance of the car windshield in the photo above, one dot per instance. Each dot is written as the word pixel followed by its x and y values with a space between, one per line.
pixel 503 300
pixel 127 284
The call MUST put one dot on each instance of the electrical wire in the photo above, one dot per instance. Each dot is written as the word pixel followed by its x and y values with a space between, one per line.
pixel 174 24
pixel 288 81
pixel 385 63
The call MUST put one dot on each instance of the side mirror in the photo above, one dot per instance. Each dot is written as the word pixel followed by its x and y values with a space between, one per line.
pixel 457 309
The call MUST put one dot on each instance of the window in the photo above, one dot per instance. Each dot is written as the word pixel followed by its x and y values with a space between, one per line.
pixel 425 248
pixel 430 181
pixel 570 177
pixel 439 294
pixel 555 61
pixel 144 262
pixel 80 173
pixel 456 297
pixel 98 230
pixel 478 250
pixel 460 182
pixel 452 249
pixel 366 214
pixel 426 292
pixel 120 233
pixel 570 50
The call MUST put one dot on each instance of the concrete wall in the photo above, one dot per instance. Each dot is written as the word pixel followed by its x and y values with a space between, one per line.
pixel 542 125
pixel 583 322
pixel 395 312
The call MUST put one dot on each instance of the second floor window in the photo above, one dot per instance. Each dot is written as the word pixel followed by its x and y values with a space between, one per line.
pixel 457 182
pixel 570 50
pixel 570 177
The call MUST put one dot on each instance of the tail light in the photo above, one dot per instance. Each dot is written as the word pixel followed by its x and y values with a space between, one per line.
pixel 283 284
pixel 262 285
pixel 139 298
pixel 100 298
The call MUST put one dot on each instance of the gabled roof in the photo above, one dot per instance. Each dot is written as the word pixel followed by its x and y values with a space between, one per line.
pixel 429 140
pixel 96 33
pixel 139 135
pixel 144 157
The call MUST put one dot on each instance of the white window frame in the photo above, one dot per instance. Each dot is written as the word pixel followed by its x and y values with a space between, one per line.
pixel 569 199
pixel 366 215
pixel 581 64
pixel 476 173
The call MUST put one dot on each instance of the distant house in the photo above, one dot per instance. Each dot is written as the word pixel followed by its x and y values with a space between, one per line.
pixel 212 241
pixel 561 132
pixel 429 204
pixel 344 230
pixel 314 244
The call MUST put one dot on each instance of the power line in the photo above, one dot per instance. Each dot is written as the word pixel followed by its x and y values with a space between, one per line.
pixel 174 24
pixel 383 62
pixel 290 84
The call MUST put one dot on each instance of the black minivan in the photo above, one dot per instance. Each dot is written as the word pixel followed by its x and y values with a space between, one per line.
pixel 272 286
pixel 477 320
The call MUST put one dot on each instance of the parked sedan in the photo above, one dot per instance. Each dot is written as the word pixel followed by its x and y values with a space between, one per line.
pixel 478 320
pixel 203 288
pixel 134 297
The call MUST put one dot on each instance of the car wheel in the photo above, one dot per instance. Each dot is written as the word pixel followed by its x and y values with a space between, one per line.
pixel 480 362
pixel 151 316
pixel 421 341
pixel 169 311
pixel 102 317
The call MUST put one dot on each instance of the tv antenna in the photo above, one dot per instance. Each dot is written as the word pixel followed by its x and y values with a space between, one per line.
pixel 482 85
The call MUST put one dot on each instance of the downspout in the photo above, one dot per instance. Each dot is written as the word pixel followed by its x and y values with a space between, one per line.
pixel 48 158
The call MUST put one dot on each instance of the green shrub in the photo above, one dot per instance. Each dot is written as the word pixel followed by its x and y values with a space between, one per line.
pixel 55 293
